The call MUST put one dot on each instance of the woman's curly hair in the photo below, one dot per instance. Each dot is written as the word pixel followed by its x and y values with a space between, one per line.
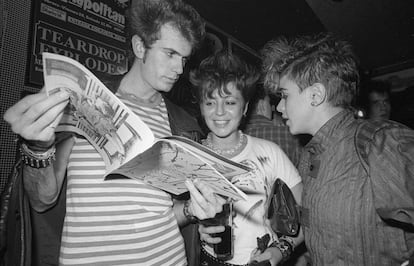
pixel 220 69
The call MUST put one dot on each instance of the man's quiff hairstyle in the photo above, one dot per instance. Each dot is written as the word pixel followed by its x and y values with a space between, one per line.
pixel 307 60
pixel 146 17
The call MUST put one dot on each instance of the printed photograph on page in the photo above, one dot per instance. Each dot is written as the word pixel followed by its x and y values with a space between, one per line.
pixel 95 112
pixel 166 165
pixel 224 166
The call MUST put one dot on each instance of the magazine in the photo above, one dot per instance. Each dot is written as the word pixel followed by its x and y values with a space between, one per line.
pixel 126 144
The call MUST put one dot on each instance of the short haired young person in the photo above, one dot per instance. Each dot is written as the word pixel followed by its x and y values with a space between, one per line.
pixel 317 78
pixel 124 221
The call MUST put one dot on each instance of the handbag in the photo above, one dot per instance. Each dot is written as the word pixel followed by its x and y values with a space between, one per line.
pixel 283 211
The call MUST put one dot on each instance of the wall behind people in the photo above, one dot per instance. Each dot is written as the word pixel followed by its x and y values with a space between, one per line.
pixel 403 106
pixel 92 35
pixel 15 23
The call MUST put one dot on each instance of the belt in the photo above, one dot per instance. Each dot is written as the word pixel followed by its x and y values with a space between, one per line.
pixel 206 259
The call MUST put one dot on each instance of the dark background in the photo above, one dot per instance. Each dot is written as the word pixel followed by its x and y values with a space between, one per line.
pixel 382 31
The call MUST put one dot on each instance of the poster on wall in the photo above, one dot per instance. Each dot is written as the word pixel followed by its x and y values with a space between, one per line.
pixel 90 31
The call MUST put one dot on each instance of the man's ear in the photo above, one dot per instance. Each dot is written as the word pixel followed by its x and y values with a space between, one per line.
pixel 138 46
pixel 317 94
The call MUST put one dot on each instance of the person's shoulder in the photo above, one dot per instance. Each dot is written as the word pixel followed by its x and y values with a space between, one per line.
pixel 256 140
pixel 180 120
pixel 399 132
pixel 381 135
pixel 377 127
pixel 262 143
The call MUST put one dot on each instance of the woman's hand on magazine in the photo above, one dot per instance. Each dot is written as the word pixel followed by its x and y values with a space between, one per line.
pixel 204 202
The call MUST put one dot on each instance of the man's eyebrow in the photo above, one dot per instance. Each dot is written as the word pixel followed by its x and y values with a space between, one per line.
pixel 174 51
pixel 170 49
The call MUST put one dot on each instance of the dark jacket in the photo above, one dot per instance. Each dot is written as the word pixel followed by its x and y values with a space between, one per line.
pixel 32 238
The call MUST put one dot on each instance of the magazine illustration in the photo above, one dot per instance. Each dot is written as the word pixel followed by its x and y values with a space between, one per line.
pixel 126 144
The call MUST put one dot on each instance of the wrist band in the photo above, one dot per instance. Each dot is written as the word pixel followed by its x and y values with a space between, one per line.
pixel 288 240
pixel 187 214
pixel 36 159
pixel 285 248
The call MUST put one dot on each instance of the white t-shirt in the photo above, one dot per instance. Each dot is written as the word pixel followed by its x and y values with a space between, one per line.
pixel 268 162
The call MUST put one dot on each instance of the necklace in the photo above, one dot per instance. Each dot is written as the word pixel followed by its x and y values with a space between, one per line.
pixel 226 152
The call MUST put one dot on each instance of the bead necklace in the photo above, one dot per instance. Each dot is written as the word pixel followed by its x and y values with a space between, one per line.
pixel 228 152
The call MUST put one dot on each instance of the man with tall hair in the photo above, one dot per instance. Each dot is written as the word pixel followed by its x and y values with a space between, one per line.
pixel 123 221
pixel 350 216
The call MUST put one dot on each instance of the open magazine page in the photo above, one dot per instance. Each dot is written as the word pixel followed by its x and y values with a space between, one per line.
pixel 95 112
pixel 170 161
pixel 126 142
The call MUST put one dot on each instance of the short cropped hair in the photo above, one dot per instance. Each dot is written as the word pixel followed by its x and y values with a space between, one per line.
pixel 220 69
pixel 311 59
pixel 146 17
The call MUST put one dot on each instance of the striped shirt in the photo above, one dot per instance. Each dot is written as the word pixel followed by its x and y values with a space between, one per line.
pixel 118 222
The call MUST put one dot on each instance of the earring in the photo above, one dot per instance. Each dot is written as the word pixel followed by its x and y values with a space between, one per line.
pixel 313 103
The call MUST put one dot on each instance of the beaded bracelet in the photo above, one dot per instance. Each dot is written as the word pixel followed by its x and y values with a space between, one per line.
pixel 36 159
pixel 187 214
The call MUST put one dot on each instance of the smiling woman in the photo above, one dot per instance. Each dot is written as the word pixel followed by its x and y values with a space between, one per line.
pixel 224 86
